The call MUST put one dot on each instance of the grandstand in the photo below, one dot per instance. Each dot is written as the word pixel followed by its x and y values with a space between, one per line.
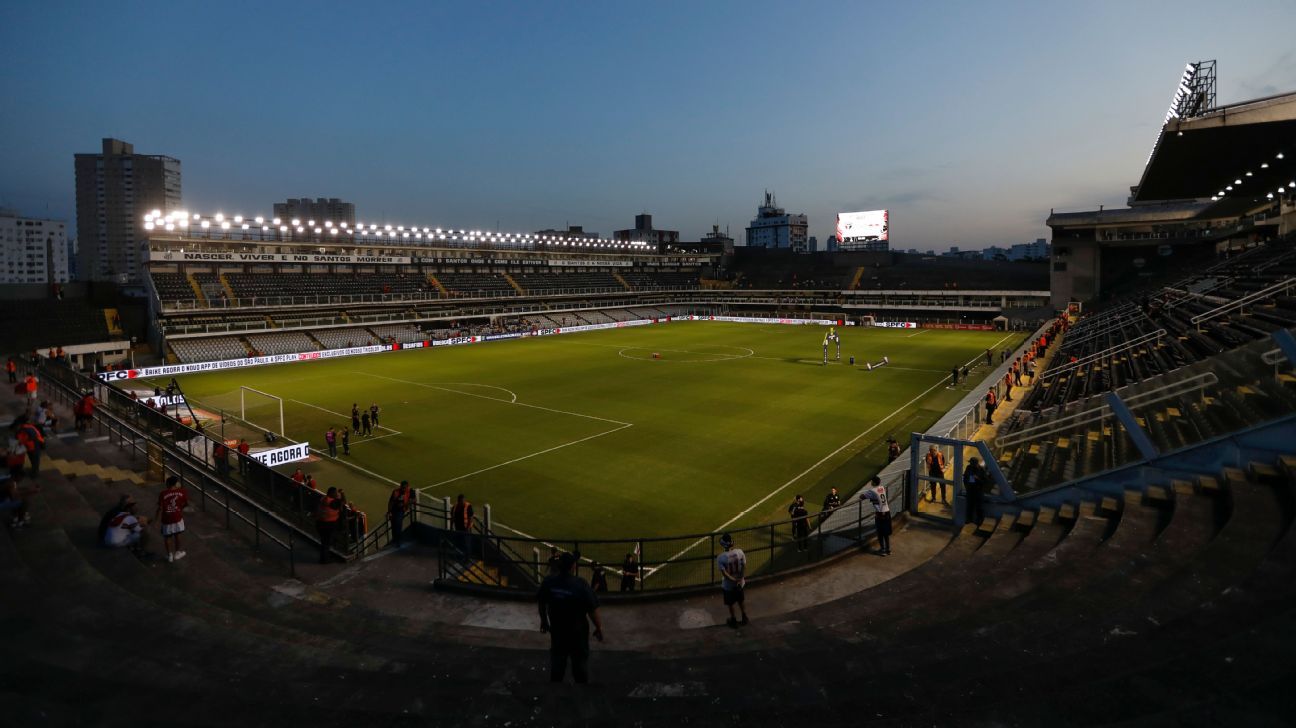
pixel 1136 562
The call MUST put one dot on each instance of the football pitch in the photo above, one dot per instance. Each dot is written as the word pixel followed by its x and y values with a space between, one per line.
pixel 590 435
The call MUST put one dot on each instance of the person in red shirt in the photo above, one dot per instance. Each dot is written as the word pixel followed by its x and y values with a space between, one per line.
pixel 30 384
pixel 243 448
pixel 170 514
pixel 84 411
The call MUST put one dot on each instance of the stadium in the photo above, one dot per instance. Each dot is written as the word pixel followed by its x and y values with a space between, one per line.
pixel 635 406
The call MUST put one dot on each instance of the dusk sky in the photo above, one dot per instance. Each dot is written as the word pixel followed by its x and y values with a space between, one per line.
pixel 969 121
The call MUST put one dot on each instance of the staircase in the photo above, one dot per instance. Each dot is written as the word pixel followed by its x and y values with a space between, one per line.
pixel 225 285
pixel 514 283
pixel 855 279
pixel 437 284
pixel 251 350
pixel 622 281
pixel 197 290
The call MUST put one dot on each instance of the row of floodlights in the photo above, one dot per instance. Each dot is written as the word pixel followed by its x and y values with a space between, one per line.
pixel 183 220
pixel 1185 82
pixel 1291 186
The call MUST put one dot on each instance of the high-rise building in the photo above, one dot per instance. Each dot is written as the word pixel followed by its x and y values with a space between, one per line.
pixel 1038 250
pixel 114 190
pixel 321 210
pixel 775 228
pixel 644 232
pixel 32 250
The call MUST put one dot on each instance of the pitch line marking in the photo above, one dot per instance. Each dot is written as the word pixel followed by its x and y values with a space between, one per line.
pixel 494 399
pixel 339 414
pixel 920 333
pixel 512 395
pixel 721 356
pixel 524 457
pixel 807 471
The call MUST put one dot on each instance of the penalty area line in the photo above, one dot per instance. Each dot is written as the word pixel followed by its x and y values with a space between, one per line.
pixel 525 457
pixel 807 471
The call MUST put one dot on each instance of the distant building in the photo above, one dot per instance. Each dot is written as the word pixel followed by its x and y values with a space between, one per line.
pixel 321 210
pixel 773 227
pixel 1038 250
pixel 644 232
pixel 33 250
pixel 114 190
pixel 722 239
pixel 994 252
pixel 572 231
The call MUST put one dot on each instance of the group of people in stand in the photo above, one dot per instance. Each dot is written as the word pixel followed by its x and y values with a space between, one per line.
pixel 122 527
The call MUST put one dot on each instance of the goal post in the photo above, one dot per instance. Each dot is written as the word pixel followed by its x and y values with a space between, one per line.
pixel 262 409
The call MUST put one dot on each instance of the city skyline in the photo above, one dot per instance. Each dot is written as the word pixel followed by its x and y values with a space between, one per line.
pixel 969 124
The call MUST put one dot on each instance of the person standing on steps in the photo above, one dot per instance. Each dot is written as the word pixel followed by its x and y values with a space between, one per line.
pixel 935 462
pixel 800 522
pixel 327 515
pixel 876 494
pixel 732 564
pixel 400 502
pixel 243 449
pixel 567 606
pixel 975 482
pixel 170 517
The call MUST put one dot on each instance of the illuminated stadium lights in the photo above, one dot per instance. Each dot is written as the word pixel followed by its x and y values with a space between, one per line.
pixel 1264 165
pixel 206 224
pixel 238 218
pixel 260 220
pixel 277 221
pixel 157 212
pixel 220 217
pixel 148 225
pixel 333 230
pixel 296 222
pixel 224 225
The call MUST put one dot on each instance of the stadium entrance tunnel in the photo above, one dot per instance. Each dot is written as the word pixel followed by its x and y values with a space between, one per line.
pixel 950 456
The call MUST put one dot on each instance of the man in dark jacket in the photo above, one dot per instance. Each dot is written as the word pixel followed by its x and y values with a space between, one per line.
pixel 567 606
pixel 975 482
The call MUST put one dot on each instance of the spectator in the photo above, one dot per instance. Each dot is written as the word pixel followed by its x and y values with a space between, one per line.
pixel 567 605
pixel 299 477
pixel 800 522
pixel 732 564
pixel 598 579
pixel 893 449
pixel 108 517
pixel 12 502
pixel 310 482
pixel 30 384
pixel 327 515
pixel 220 455
pixel 126 529
pixel 876 494
pixel 629 572
pixel 935 462
pixel 84 411
pixel 45 420
pixel 832 502
pixel 170 516
pixel 31 439
pixel 243 450
pixel 15 456
pixel 330 438
pixel 399 504
pixel 975 482
pixel 11 368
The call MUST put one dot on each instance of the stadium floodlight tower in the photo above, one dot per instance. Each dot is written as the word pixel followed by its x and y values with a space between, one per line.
pixel 1195 94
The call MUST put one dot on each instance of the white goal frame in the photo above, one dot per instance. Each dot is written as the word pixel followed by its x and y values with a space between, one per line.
pixel 243 407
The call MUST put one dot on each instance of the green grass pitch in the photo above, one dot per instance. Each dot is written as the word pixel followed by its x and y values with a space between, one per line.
pixel 588 436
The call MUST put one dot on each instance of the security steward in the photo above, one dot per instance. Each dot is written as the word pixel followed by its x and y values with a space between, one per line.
pixel 327 515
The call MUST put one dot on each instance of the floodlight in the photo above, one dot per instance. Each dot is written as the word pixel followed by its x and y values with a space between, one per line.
pixel 296 222
pixel 170 227
pixel 1248 174
pixel 333 230
pixel 277 221
pixel 1264 165
pixel 1237 181
pixel 310 223
pixel 158 213
pixel 148 226
pixel 219 217
pixel 245 226
pixel 318 230
pixel 260 220
pixel 225 225
pixel 238 218
pixel 206 224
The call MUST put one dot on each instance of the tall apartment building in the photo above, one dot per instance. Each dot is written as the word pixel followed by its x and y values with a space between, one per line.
pixel 321 210
pixel 775 228
pixel 32 250
pixel 114 190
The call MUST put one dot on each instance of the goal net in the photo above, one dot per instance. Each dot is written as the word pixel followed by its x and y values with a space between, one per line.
pixel 261 409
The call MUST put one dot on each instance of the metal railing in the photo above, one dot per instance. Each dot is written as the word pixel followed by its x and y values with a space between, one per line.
pixel 248 491
pixel 1280 287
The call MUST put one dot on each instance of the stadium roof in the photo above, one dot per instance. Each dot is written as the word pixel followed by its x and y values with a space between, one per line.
pixel 1249 147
